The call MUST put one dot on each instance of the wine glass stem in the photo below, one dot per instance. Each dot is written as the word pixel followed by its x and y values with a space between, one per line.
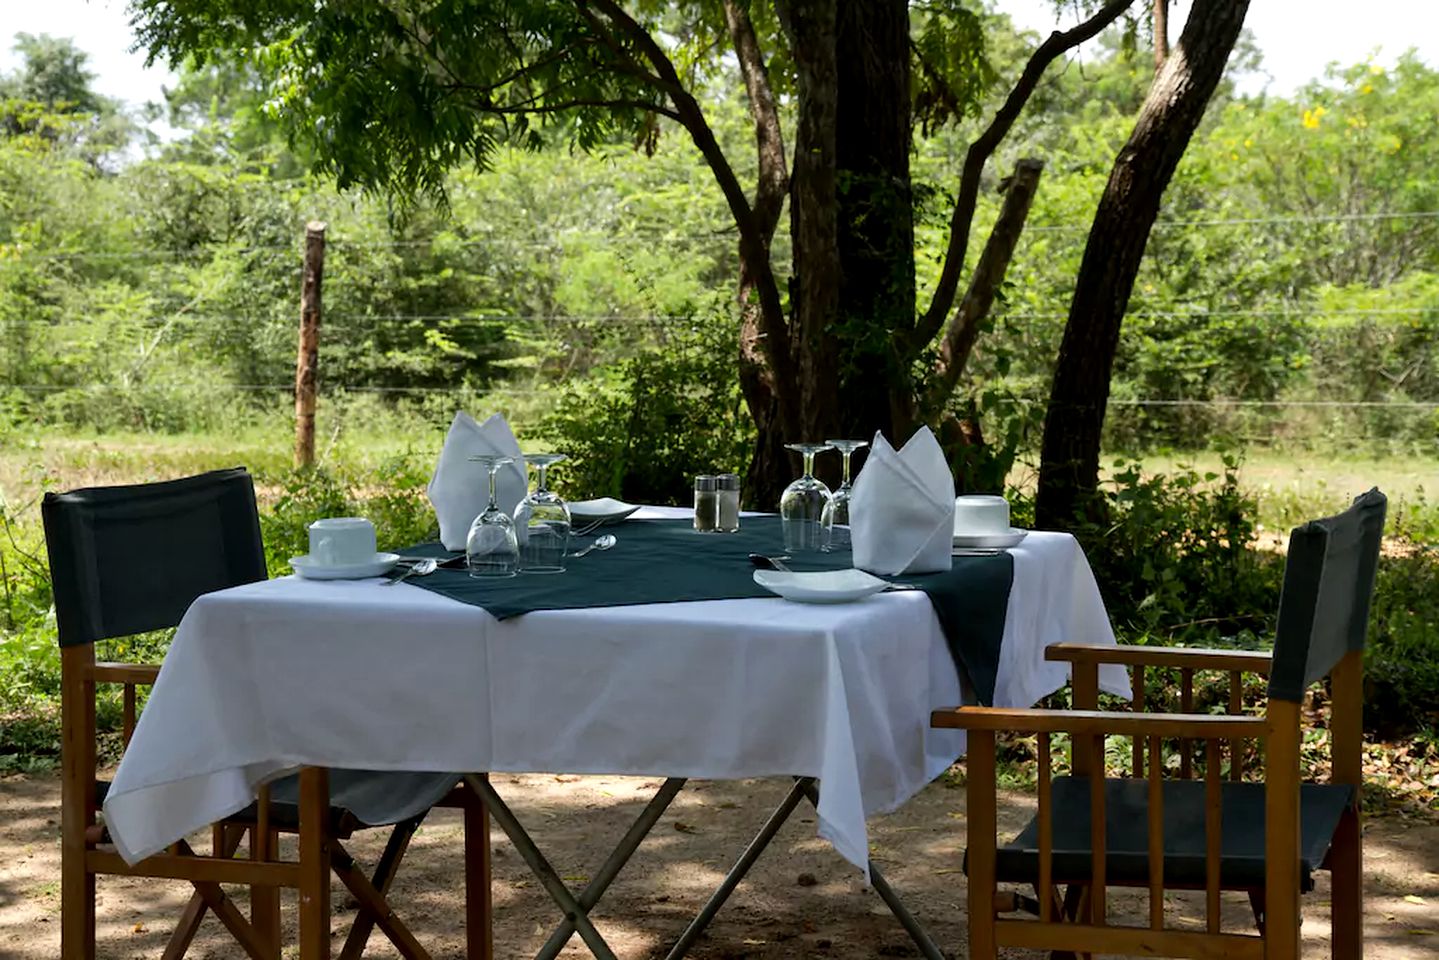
pixel 845 481
pixel 494 469
pixel 540 481
pixel 808 463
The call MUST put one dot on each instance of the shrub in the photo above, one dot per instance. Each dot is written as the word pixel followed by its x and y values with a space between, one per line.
pixel 1174 556
pixel 642 429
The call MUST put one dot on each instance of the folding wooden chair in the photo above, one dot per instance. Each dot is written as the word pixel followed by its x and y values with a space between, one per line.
pixel 1267 838
pixel 127 560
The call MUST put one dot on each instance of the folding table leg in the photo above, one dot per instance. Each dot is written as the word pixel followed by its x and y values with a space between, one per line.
pixel 613 864
pixel 803 788
pixel 540 867
pixel 886 893
pixel 741 867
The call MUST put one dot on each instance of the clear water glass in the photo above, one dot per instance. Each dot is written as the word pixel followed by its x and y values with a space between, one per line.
pixel 801 506
pixel 491 549
pixel 542 521
pixel 835 521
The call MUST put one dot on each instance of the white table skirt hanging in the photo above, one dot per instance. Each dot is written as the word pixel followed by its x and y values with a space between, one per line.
pixel 268 677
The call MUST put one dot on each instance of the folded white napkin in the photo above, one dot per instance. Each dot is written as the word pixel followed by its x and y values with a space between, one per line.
pixel 901 517
pixel 460 488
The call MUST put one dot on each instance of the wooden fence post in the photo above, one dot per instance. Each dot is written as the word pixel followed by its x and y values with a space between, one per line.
pixel 307 363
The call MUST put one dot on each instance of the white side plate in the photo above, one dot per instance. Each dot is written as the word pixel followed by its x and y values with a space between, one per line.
pixel 605 509
pixel 378 565
pixel 990 541
pixel 826 586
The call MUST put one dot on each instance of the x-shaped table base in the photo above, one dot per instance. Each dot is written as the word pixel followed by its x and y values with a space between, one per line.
pixel 576 909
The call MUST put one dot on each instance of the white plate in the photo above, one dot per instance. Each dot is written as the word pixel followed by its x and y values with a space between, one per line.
pixel 311 569
pixel 825 586
pixel 990 541
pixel 605 510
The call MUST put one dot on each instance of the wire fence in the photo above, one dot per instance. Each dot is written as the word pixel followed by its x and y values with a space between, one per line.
pixel 469 238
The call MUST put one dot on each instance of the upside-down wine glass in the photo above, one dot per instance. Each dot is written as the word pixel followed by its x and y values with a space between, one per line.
pixel 491 549
pixel 802 504
pixel 835 521
pixel 543 521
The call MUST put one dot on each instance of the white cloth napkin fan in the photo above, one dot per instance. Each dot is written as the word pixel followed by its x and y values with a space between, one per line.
pixel 902 508
pixel 460 488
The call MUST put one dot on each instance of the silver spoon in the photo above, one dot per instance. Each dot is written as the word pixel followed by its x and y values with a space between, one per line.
pixel 603 542
pixel 420 569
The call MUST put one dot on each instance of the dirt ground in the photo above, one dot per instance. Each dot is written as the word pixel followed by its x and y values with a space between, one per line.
pixel 801 900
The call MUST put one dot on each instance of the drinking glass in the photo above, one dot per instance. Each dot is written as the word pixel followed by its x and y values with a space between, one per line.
pixel 491 549
pixel 545 521
pixel 802 504
pixel 835 521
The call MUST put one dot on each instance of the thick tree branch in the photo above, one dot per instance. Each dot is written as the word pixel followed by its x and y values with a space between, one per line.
pixel 979 153
pixel 769 136
pixel 989 273
pixel 753 246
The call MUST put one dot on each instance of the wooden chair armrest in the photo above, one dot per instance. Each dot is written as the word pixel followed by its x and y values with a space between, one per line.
pixel 109 671
pixel 1091 722
pixel 1194 658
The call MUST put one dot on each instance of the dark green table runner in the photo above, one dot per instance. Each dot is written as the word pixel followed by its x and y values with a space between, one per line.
pixel 666 561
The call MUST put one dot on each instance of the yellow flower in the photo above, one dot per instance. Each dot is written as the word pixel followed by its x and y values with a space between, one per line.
pixel 1367 88
pixel 1312 118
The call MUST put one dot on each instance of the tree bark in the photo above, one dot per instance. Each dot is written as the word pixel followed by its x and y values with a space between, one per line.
pixel 1069 458
pixel 1161 33
pixel 875 223
pixel 768 467
pixel 959 338
pixel 307 363
pixel 814 288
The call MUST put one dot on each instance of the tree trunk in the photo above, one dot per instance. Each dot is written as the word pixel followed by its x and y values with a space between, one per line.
pixel 1161 33
pixel 875 223
pixel 1069 458
pixel 814 287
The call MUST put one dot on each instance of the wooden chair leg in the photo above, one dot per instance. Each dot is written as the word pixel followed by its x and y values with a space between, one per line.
pixel 265 901
pixel 1346 871
pixel 314 863
pixel 372 901
pixel 479 907
pixel 77 902
pixel 226 841
pixel 385 871
pixel 980 803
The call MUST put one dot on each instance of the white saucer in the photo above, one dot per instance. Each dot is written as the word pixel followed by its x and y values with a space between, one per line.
pixel 825 586
pixel 378 565
pixel 603 510
pixel 990 541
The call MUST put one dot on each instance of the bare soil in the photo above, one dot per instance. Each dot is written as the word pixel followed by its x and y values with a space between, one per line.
pixel 801 899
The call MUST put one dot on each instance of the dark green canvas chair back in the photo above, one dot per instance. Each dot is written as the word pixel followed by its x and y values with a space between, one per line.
pixel 129 559
pixel 1324 606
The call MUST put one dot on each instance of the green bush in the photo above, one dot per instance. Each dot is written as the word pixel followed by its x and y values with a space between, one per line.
pixel 1174 556
pixel 642 429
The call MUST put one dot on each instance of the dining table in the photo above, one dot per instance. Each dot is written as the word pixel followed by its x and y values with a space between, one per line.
pixel 294 674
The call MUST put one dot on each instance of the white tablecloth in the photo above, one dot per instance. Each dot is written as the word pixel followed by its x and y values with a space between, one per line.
pixel 264 678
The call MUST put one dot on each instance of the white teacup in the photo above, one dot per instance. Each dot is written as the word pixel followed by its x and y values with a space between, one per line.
pixel 977 515
pixel 339 541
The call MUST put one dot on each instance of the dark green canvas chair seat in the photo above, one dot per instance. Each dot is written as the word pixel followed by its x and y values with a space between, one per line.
pixel 1126 816
pixel 358 799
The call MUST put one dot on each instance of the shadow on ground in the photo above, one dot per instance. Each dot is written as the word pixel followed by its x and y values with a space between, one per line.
pixel 801 900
